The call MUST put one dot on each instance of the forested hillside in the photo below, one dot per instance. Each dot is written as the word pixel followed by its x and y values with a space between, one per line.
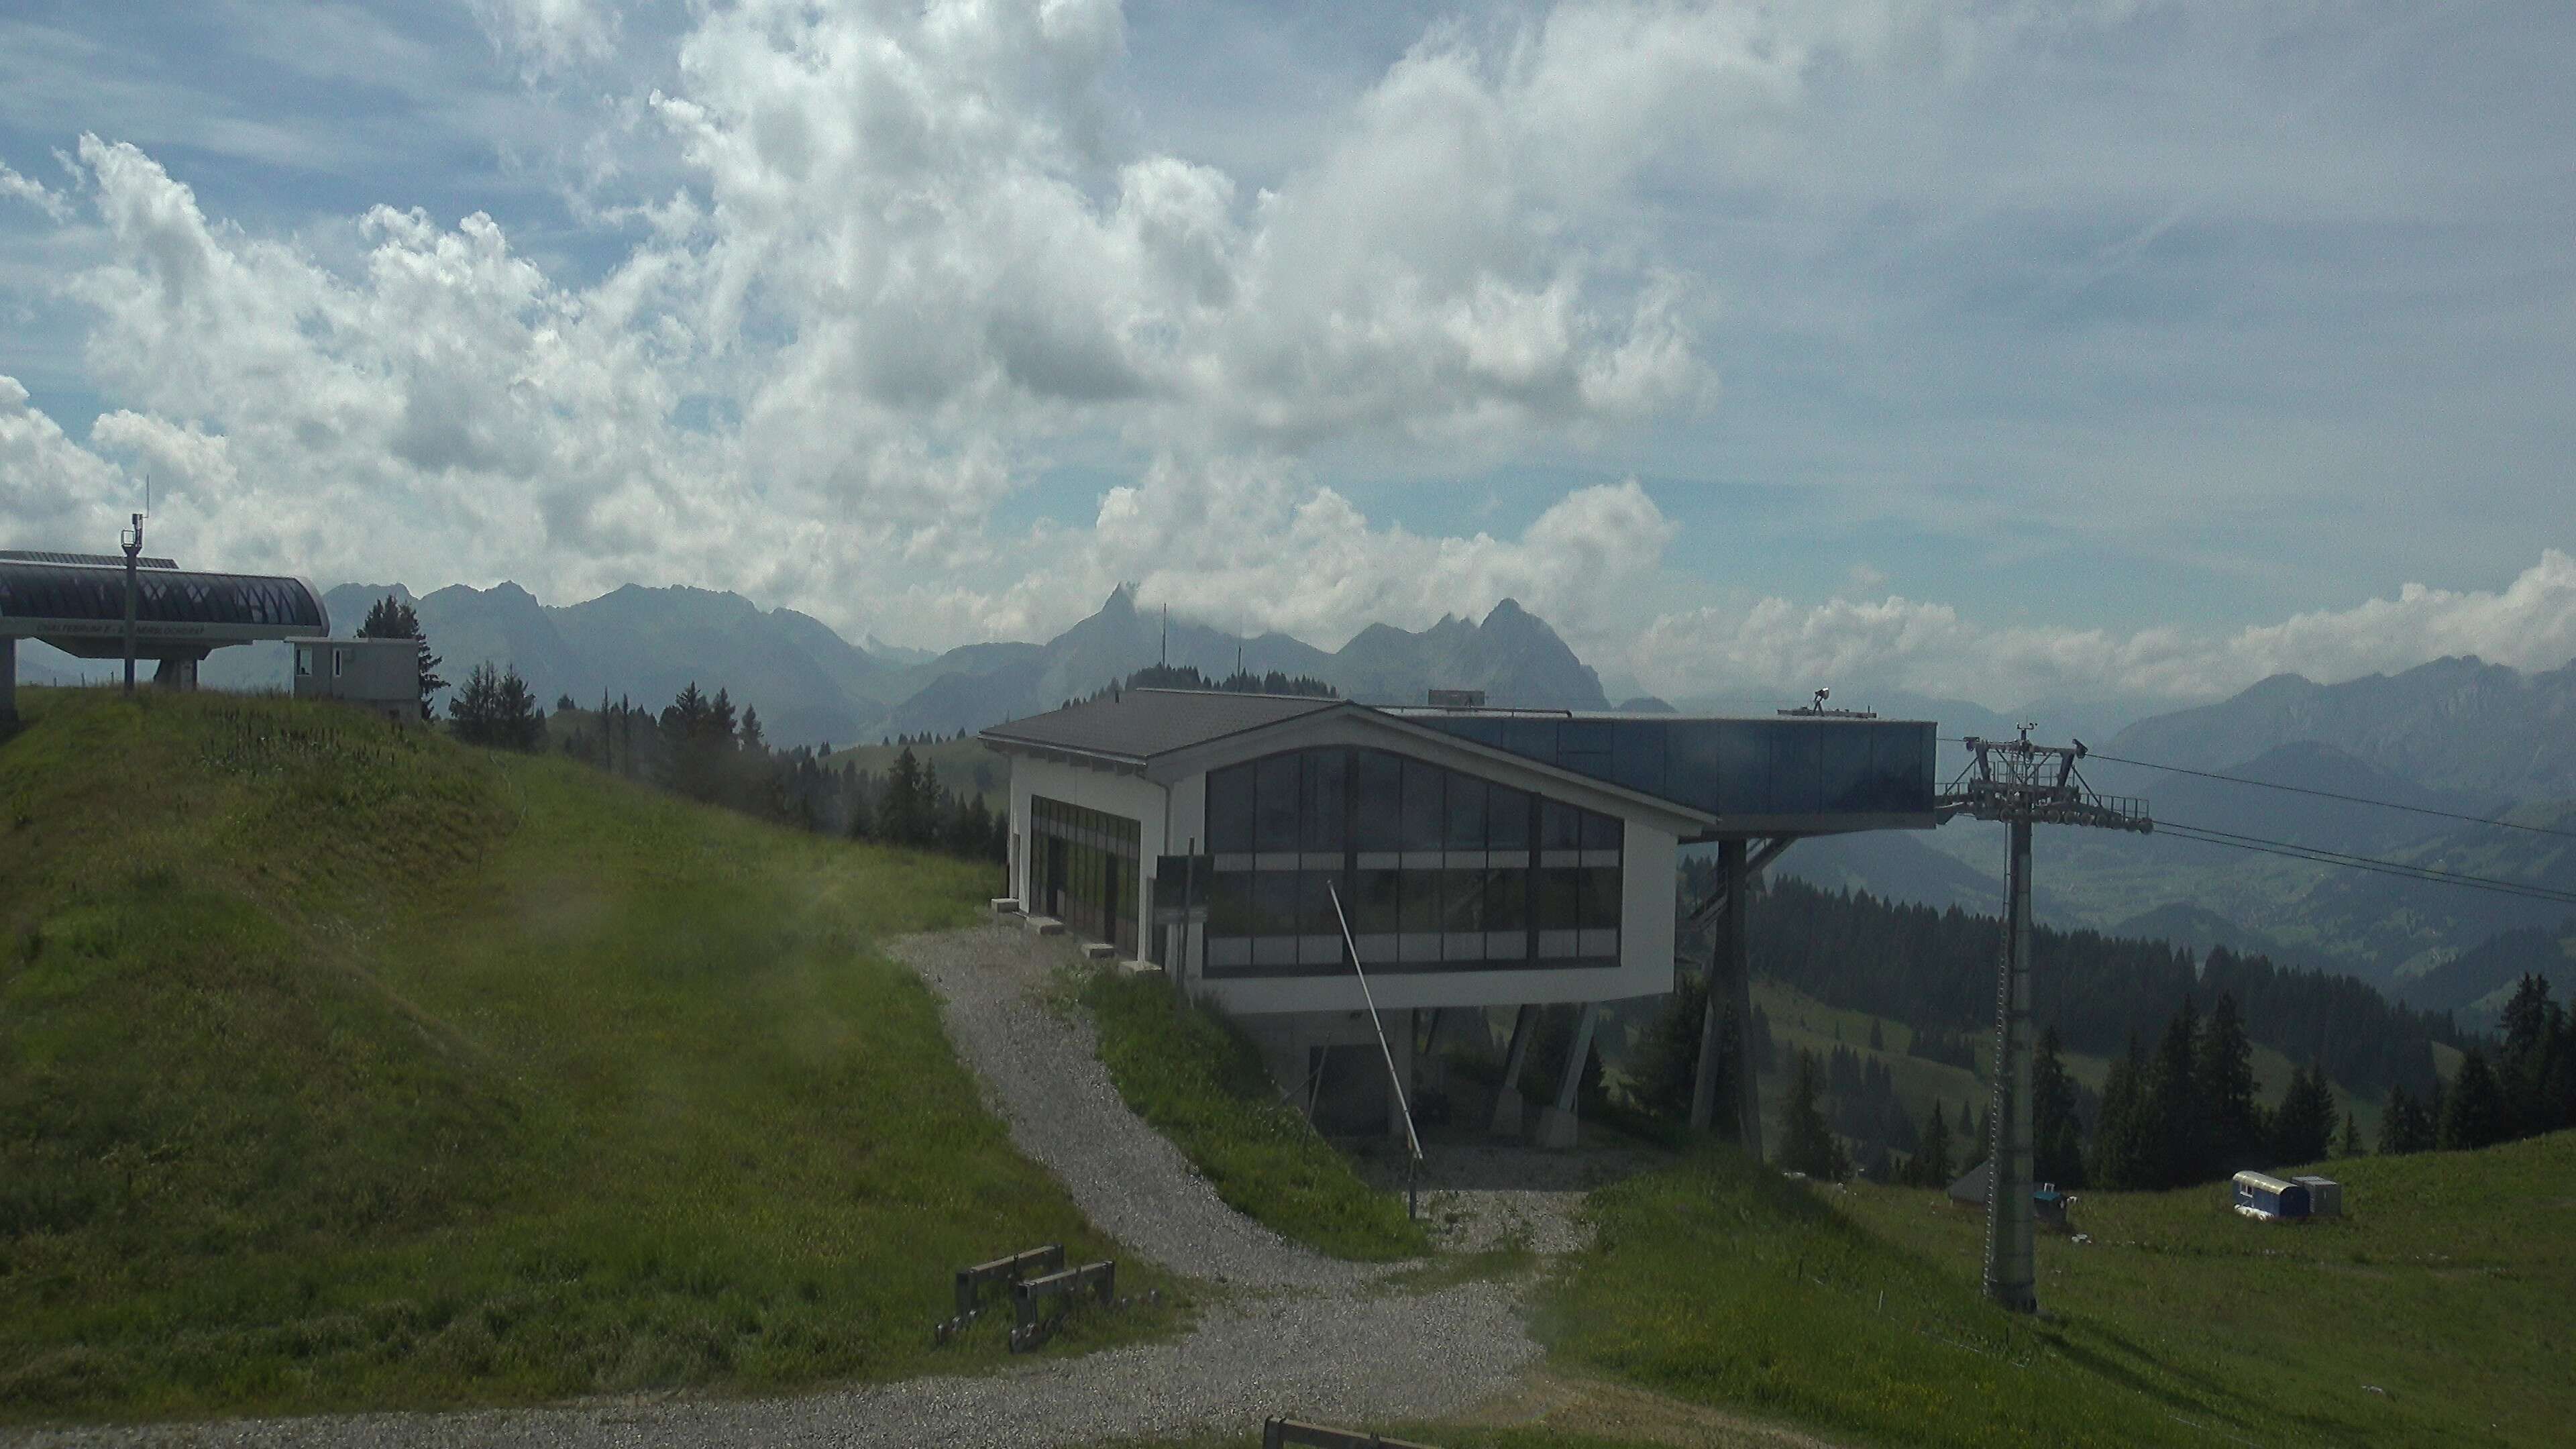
pixel 1935 970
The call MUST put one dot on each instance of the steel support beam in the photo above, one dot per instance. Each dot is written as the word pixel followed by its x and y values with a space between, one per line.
pixel 1736 937
pixel 8 681
pixel 2011 1275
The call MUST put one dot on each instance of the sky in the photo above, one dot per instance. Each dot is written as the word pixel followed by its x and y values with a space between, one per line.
pixel 1992 350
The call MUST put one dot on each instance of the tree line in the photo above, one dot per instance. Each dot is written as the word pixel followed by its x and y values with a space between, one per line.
pixel 2529 1088
pixel 1935 970
pixel 701 746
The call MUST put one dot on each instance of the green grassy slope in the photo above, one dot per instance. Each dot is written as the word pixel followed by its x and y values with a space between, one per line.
pixel 1201 1084
pixel 343 1067
pixel 2436 1313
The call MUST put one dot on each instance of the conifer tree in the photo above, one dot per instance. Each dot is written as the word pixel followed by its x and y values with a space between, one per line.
pixel 2350 1146
pixel 2224 1086
pixel 2474 1115
pixel 391 618
pixel 2127 1147
pixel 1807 1143
pixel 2057 1136
pixel 1932 1159
pixel 2175 1108
pixel 2303 1129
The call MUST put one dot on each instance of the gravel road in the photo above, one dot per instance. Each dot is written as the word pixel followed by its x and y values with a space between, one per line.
pixel 1304 1334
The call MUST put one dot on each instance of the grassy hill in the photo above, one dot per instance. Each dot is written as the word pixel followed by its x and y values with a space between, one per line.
pixel 346 1066
pixel 2434 1314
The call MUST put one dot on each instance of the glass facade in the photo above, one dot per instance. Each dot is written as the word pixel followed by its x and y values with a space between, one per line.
pixel 1728 766
pixel 1083 869
pixel 1438 870
pixel 162 596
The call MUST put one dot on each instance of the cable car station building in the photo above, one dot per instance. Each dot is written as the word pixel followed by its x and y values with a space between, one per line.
pixel 76 603
pixel 1481 857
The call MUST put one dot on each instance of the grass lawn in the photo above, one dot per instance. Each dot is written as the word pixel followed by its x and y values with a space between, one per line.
pixel 1199 1083
pixel 346 1067
pixel 2436 1313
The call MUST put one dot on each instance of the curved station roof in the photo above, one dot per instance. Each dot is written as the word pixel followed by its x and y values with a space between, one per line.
pixel 76 603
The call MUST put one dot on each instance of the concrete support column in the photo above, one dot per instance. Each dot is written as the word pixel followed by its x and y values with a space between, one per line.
pixel 1556 1124
pixel 8 682
pixel 2011 1275
pixel 1507 1102
pixel 1735 944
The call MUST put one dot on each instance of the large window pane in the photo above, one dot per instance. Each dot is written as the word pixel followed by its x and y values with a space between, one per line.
pixel 1507 818
pixel 1845 771
pixel 1743 752
pixel 1466 829
pixel 1275 805
pixel 1229 904
pixel 1381 801
pixel 1600 897
pixel 1600 832
pixel 1506 900
pixel 1377 911
pixel 1423 806
pixel 1421 901
pixel 1322 822
pixel 1274 900
pixel 1462 900
pixel 1229 810
pixel 1315 903
pixel 1797 760
pixel 1558 903
pixel 1535 738
pixel 1560 826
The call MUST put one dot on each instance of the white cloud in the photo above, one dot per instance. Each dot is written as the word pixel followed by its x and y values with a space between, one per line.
pixel 33 193
pixel 550 36
pixel 53 492
pixel 1929 647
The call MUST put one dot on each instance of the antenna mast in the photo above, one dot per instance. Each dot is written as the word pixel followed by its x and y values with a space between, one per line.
pixel 2022 784
pixel 131 540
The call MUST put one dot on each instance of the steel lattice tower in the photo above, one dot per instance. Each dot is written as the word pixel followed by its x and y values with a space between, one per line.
pixel 2022 784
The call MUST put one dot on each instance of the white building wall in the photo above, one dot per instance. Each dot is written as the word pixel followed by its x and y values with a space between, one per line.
pixel 1132 796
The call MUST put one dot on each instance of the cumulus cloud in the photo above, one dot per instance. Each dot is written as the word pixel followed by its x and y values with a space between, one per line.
pixel 51 488
pixel 550 36
pixel 34 193
pixel 1930 648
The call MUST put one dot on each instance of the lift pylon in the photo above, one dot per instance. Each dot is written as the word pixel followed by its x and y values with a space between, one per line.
pixel 2022 784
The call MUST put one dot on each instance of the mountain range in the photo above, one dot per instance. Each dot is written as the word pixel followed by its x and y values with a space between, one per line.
pixel 811 686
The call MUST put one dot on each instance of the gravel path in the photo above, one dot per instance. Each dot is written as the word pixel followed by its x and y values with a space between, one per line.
pixel 1042 1075
pixel 1311 1336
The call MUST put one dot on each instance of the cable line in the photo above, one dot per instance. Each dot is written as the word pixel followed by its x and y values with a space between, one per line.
pixel 2319 855
pixel 2326 794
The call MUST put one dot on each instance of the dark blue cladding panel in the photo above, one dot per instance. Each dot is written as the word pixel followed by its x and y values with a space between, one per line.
pixel 1729 767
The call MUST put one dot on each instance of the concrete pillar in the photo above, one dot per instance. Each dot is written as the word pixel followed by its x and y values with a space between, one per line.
pixel 1735 941
pixel 1556 1124
pixel 2011 1275
pixel 8 682
pixel 175 674
pixel 1507 1102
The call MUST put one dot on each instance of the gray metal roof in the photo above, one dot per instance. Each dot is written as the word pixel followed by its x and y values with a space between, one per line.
pixel 1140 724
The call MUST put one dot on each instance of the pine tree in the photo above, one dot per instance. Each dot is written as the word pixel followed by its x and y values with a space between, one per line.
pixel 2350 1146
pixel 1807 1143
pixel 2057 1136
pixel 2127 1145
pixel 2303 1129
pixel 2400 1125
pixel 2475 1114
pixel 2175 1106
pixel 1932 1159
pixel 391 618
pixel 2223 1082
pixel 1877 1040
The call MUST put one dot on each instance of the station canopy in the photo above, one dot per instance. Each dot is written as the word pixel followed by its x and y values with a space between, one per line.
pixel 79 607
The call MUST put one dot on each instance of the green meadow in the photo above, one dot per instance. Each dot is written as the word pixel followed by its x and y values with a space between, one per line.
pixel 344 1066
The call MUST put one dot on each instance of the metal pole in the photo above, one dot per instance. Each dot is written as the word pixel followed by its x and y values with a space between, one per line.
pixel 1738 937
pixel 1712 1021
pixel 2010 1270
pixel 1394 1081
pixel 133 546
